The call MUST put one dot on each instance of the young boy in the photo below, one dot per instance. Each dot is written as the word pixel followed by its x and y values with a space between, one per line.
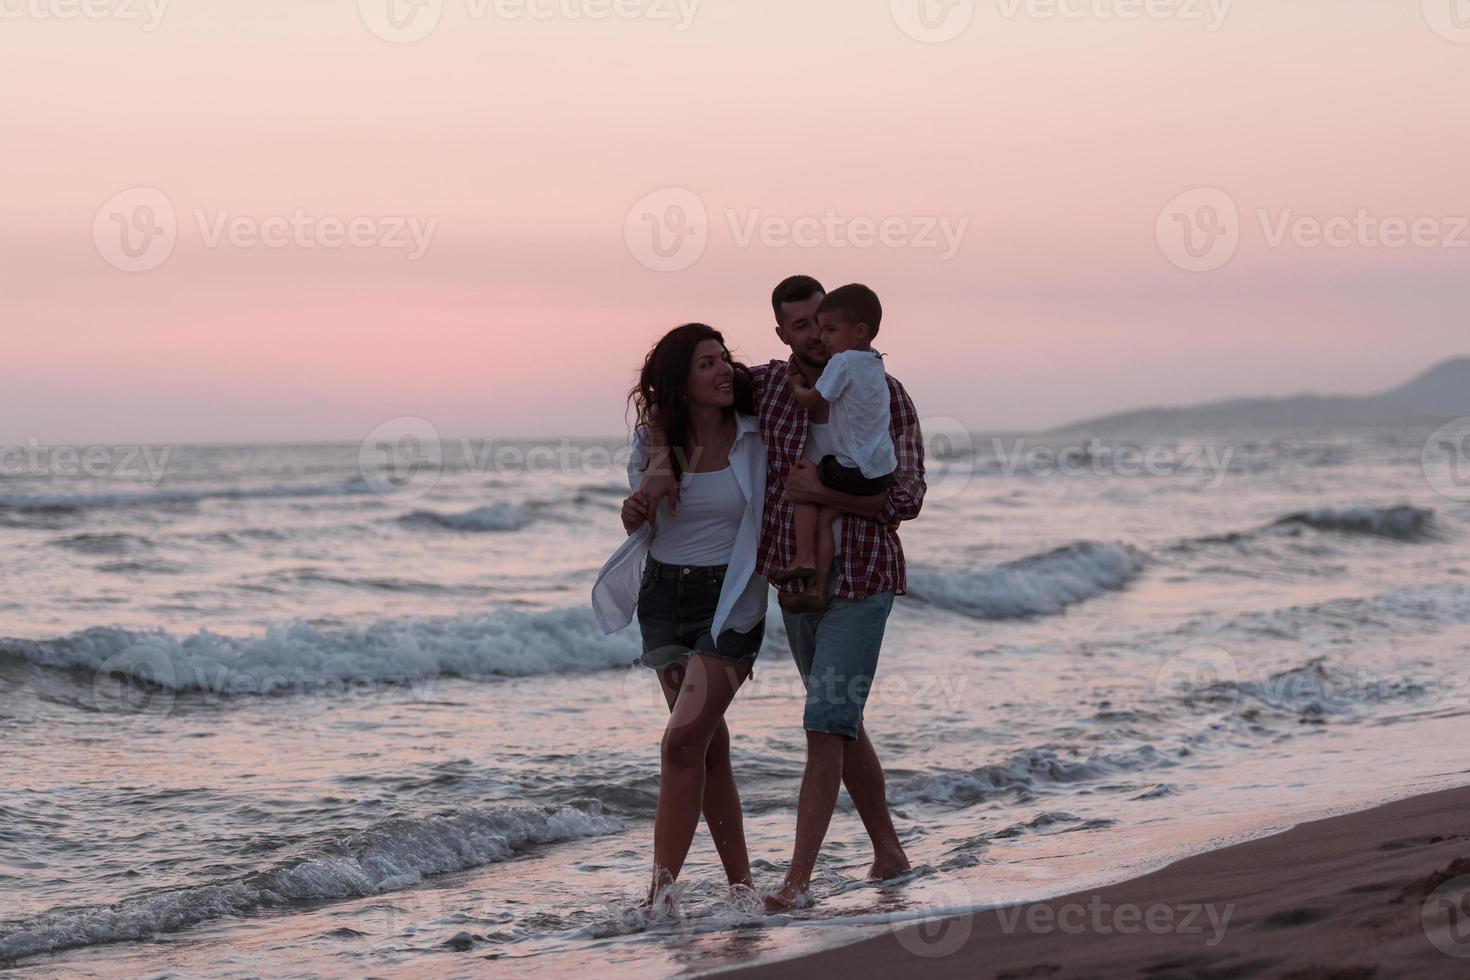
pixel 861 461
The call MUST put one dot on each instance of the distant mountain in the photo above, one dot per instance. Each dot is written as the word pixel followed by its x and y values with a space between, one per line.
pixel 1442 392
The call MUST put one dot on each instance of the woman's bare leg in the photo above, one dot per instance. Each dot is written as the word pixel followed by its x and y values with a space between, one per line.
pixel 721 804
pixel 707 689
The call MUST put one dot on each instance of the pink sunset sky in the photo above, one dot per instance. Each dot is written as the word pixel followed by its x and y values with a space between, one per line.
pixel 520 136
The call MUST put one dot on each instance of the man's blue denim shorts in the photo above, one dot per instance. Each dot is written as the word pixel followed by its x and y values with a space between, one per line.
pixel 836 651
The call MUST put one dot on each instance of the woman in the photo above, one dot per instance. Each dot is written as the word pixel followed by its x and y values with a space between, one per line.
pixel 700 604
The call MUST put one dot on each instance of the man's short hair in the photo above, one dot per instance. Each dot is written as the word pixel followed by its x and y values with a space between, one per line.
pixel 857 303
pixel 793 290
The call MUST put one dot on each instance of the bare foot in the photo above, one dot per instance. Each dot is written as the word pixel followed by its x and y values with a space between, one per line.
pixel 889 866
pixel 814 599
pixel 791 601
pixel 788 898
pixel 663 896
pixel 803 602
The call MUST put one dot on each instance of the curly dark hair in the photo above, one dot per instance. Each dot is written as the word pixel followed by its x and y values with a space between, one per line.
pixel 658 398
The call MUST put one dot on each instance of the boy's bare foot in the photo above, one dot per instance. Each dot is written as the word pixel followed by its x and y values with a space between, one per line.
pixel 797 572
pixel 790 601
pixel 803 602
pixel 889 866
pixel 788 898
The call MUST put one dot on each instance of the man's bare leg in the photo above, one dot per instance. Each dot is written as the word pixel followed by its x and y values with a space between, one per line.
pixel 862 774
pixel 819 786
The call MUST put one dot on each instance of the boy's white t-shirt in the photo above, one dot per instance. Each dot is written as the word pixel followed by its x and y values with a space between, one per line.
pixel 855 385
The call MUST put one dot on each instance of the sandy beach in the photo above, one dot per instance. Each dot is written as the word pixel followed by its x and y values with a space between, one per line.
pixel 1377 894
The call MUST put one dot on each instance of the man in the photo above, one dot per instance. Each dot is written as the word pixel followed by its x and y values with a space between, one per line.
pixel 836 650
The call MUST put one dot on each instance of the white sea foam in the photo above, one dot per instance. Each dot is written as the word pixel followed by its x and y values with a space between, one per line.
pixel 388 857
pixel 1037 585
pixel 298 656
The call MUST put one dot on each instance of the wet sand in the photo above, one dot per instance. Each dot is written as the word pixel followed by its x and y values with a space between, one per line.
pixel 1378 894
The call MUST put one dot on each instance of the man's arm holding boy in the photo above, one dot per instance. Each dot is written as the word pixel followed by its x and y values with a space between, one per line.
pixel 904 497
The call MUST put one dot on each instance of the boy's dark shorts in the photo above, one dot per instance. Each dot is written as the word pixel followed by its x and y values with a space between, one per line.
pixel 850 479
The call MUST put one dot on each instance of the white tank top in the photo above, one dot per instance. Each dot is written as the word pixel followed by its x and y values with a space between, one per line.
pixel 711 507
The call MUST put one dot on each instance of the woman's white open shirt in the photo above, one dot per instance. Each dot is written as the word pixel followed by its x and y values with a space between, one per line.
pixel 743 597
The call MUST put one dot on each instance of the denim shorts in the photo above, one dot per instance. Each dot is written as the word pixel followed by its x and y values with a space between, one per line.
pixel 836 651
pixel 676 608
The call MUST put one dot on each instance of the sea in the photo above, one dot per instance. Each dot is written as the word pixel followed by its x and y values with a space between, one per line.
pixel 344 710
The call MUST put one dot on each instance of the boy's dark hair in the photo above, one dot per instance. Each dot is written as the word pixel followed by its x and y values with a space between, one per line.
pixel 793 290
pixel 857 303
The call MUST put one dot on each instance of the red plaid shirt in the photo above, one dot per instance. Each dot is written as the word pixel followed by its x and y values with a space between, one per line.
pixel 872 556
